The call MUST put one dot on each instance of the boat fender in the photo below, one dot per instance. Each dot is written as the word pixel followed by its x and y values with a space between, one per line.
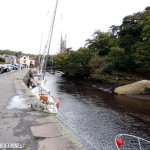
pixel 119 142
pixel 58 104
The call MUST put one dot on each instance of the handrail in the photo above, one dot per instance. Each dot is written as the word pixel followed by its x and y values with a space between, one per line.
pixel 138 138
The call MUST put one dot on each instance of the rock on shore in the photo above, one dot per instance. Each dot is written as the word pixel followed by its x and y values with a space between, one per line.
pixel 134 88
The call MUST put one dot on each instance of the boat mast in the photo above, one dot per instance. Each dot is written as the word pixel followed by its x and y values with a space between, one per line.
pixel 50 37
pixel 39 59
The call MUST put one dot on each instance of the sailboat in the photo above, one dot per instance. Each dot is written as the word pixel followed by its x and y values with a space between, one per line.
pixel 46 103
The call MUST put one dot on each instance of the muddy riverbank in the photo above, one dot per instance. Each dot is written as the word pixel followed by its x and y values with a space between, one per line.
pixel 108 87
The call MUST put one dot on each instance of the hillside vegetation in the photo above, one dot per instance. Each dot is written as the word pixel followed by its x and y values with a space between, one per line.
pixel 117 55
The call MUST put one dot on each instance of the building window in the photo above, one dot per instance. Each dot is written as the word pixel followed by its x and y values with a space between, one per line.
pixel 24 61
pixel 24 57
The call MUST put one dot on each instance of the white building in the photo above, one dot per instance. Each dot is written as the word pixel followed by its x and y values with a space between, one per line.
pixel 25 60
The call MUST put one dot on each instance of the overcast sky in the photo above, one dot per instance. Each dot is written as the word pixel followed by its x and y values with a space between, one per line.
pixel 23 22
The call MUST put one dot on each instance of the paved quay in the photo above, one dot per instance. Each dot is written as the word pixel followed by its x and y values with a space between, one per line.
pixel 19 124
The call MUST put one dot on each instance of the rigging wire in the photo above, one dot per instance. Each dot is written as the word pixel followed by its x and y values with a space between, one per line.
pixel 39 60
pixel 50 38
pixel 45 51
pixel 76 132
pixel 44 64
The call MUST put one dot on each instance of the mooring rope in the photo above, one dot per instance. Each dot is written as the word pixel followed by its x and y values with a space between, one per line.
pixel 77 133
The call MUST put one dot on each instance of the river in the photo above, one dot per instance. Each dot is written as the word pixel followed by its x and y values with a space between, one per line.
pixel 99 116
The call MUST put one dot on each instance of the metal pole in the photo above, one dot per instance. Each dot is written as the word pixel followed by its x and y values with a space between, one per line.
pixel 51 33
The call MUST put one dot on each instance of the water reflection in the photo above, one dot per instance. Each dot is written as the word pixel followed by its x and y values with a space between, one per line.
pixel 97 115
pixel 132 104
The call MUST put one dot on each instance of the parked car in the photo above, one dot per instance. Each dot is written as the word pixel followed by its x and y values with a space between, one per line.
pixel 16 66
pixel 9 66
pixel 1 69
pixel 6 69
pixel 24 65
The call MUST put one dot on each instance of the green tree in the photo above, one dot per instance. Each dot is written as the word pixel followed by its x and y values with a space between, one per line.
pixel 125 48
pixel 114 30
pixel 7 52
pixel 116 58
pixel 60 61
pixel 19 53
pixel 74 64
pixel 78 63
pixel 141 57
pixel 133 34
pixel 2 60
pixel 68 50
pixel 101 42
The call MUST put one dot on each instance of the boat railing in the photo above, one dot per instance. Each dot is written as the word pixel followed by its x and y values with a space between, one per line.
pixel 131 142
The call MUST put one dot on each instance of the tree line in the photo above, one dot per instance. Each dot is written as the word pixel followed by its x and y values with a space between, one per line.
pixel 17 54
pixel 125 49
